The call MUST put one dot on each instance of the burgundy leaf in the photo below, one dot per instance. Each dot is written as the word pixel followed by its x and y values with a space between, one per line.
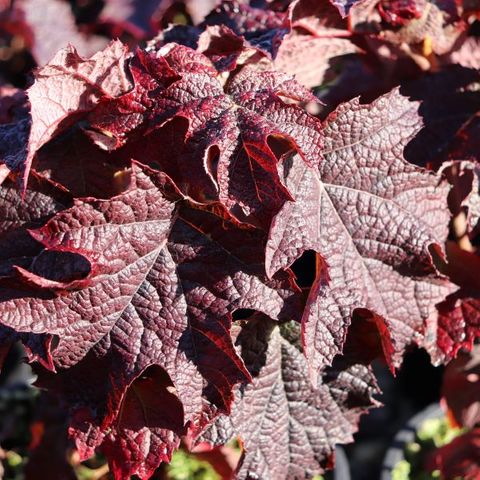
pixel 66 88
pixel 78 230
pixel 222 46
pixel 73 161
pixel 458 324
pixel 145 261
pixel 287 427
pixel 161 292
pixel 18 213
pixel 230 139
pixel 459 314
pixel 240 25
pixel 263 29
pixel 372 217
pixel 146 431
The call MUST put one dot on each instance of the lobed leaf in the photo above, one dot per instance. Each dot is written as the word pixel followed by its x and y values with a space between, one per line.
pixel 373 218
pixel 287 426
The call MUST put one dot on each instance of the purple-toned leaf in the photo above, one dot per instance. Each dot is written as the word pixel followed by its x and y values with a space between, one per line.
pixel 65 89
pixel 263 29
pixel 147 431
pixel 458 324
pixel 73 161
pixel 287 427
pixel 161 291
pixel 229 140
pixel 459 313
pixel 373 218
pixel 20 212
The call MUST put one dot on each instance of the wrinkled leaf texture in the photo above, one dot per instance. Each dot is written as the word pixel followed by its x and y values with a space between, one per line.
pixel 205 181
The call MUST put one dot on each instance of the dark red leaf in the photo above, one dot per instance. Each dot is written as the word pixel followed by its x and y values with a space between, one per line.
pixel 146 431
pixel 65 89
pixel 18 213
pixel 262 28
pixel 287 427
pixel 459 314
pixel 227 145
pixel 161 292
pixel 372 217
pixel 74 162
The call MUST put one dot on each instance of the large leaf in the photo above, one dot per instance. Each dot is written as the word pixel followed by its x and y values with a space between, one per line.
pixel 161 290
pixel 227 149
pixel 67 87
pixel 289 428
pixel 372 217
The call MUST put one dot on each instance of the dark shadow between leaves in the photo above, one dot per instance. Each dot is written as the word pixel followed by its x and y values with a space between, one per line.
pixel 448 102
